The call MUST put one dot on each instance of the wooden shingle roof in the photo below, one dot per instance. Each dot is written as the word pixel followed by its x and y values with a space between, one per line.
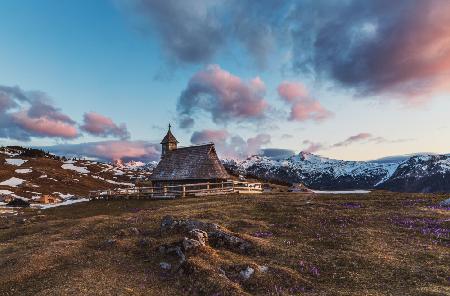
pixel 169 138
pixel 190 163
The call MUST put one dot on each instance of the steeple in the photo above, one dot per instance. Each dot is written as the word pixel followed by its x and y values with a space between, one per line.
pixel 169 143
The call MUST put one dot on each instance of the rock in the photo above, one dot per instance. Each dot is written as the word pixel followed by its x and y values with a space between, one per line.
pixel 167 223
pixel 205 226
pixel 223 239
pixel 263 268
pixel 247 273
pixel 191 244
pixel 199 235
pixel 445 202
pixel 18 202
pixel 173 250
pixel 165 265
pixel 134 230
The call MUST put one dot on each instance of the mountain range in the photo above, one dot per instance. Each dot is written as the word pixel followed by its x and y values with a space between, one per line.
pixel 416 173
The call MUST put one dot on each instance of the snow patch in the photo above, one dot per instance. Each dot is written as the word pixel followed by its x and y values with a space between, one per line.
pixel 23 171
pixel 64 196
pixel 15 161
pixel 12 182
pixel 64 203
pixel 70 166
pixel 342 191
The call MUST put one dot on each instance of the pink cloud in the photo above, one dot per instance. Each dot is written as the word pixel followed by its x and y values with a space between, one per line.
pixel 223 95
pixel 45 126
pixel 303 107
pixel 102 126
pixel 231 146
pixel 313 146
pixel 28 114
pixel 111 150
pixel 291 91
pixel 207 135
pixel 124 149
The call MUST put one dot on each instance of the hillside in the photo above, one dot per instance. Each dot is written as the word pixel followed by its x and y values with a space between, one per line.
pixel 30 173
pixel 270 244
pixel 423 173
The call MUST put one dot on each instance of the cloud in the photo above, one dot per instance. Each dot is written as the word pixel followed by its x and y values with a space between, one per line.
pixel 196 31
pixel 231 146
pixel 376 47
pixel 382 48
pixel 303 107
pixel 186 122
pixel 353 139
pixel 277 153
pixel 27 114
pixel 206 136
pixel 189 31
pixel 358 138
pixel 44 126
pixel 313 146
pixel 224 96
pixel 102 126
pixel 110 150
pixel 382 140
pixel 287 136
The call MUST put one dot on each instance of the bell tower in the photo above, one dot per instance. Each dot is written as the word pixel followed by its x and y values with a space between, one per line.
pixel 169 143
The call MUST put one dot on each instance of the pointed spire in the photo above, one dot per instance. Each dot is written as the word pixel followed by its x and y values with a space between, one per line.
pixel 169 138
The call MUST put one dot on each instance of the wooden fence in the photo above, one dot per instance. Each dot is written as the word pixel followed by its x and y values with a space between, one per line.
pixel 174 191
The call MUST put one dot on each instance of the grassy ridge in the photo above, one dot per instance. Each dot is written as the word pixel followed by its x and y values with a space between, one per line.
pixel 370 244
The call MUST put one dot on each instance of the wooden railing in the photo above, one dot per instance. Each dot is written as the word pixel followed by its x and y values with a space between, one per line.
pixel 174 191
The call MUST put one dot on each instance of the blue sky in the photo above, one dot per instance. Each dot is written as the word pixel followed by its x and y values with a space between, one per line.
pixel 131 61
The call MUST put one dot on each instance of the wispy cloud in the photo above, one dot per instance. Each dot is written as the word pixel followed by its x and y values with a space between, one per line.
pixel 353 139
pixel 360 138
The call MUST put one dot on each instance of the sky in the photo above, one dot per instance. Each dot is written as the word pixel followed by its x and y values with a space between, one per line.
pixel 353 80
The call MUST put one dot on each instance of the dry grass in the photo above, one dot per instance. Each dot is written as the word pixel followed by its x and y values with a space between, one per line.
pixel 57 179
pixel 369 244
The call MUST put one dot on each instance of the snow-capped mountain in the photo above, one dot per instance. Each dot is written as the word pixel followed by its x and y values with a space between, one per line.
pixel 135 165
pixel 323 173
pixel 422 173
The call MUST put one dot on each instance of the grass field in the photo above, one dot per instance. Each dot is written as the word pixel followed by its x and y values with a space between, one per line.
pixel 361 244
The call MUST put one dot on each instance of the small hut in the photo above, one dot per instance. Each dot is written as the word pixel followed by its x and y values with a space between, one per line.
pixel 187 165
pixel 299 187
pixel 49 199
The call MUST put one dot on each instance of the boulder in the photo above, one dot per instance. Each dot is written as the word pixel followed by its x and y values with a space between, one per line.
pixel 246 273
pixel 199 235
pixel 169 223
pixel 224 239
pixel 165 265
pixel 445 202
pixel 174 250
pixel 190 244
pixel 18 202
